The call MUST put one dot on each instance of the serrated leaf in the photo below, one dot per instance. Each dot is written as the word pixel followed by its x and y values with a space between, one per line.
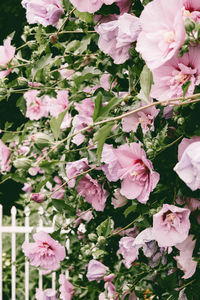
pixel 146 81
pixel 97 107
pixel 130 209
pixel 105 228
pixel 41 63
pixel 100 137
pixel 84 16
pixel 55 123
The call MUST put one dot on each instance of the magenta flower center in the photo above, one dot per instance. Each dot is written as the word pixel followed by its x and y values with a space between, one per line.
pixel 139 171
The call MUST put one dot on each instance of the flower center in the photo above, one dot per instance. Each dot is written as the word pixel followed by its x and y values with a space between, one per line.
pixel 181 78
pixel 169 37
pixel 186 13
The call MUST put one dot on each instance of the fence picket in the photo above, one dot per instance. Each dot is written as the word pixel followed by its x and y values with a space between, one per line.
pixel 27 214
pixel 13 251
pixel 1 277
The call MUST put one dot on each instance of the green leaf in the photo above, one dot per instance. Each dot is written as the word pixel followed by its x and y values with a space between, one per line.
pixel 130 209
pixel 61 206
pixel 146 81
pixel 55 123
pixel 98 106
pixel 105 228
pixel 41 63
pixel 185 87
pixel 100 137
pixel 84 16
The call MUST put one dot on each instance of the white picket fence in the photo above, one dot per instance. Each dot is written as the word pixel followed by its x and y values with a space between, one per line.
pixel 26 230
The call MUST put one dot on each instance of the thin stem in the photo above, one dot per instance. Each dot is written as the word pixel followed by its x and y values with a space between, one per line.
pixel 66 19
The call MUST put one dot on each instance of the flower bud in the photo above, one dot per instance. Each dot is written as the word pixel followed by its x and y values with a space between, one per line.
pixel 22 163
pixel 42 140
pixel 92 237
pixel 189 25
pixel 37 197
pixel 22 81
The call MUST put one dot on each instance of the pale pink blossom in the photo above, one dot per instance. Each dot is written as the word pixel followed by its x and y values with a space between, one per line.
pixel 58 192
pixel 112 165
pixel 36 107
pixel 85 216
pixel 48 294
pixel 192 9
pixel 35 170
pixel 162 32
pixel 105 82
pixel 117 36
pixel 90 5
pixel 96 270
pixel 171 76
pixel 185 143
pixel 128 251
pixel 171 225
pixel 83 119
pixel 188 168
pixel 135 171
pixel 110 294
pixel 45 12
pixel 45 252
pixel 109 277
pixel 27 188
pixel 132 296
pixel 184 260
pixel 66 288
pixel 7 53
pixel 118 200
pixel 93 192
pixel 73 169
pixel 37 197
pixel 4 158
pixel 145 118
pixel 58 104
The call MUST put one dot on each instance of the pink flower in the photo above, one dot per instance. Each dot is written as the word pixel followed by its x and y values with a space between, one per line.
pixel 45 12
pixel 27 188
pixel 128 251
pixel 184 260
pixel 37 197
pixel 4 158
pixel 96 270
pixel 185 143
pixel 83 119
pixel 118 200
pixel 7 53
pixel 171 76
pixel 145 118
pixel 47 294
pixel 192 203
pixel 90 5
pixel 73 169
pixel 93 192
pixel 192 9
pixel 109 277
pixel 105 82
pixel 110 294
pixel 58 104
pixel 171 225
pixel 112 164
pixel 117 36
pixel 66 288
pixel 162 32
pixel 45 252
pixel 135 171
pixel 188 168
pixel 36 107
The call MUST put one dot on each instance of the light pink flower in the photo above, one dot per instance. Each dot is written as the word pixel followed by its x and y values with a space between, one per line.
pixel 185 143
pixel 110 294
pixel 145 118
pixel 192 9
pixel 109 277
pixel 93 192
pixel 188 168
pixel 171 225
pixel 36 107
pixel 90 5
pixel 45 252
pixel 105 82
pixel 7 53
pixel 171 76
pixel 118 200
pixel 66 288
pixel 27 188
pixel 184 260
pixel 135 170
pixel 117 36
pixel 4 158
pixel 85 216
pixel 112 164
pixel 48 294
pixel 45 12
pixel 37 197
pixel 58 104
pixel 74 168
pixel 83 119
pixel 128 251
pixel 162 32
pixel 96 270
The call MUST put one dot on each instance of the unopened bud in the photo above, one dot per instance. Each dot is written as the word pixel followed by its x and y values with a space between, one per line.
pixel 189 25
pixel 22 163
pixel 42 140
pixel 22 81
pixel 37 197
